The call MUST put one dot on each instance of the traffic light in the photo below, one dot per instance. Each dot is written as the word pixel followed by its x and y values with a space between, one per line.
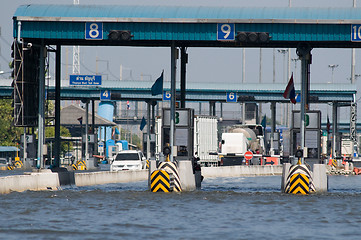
pixel 253 37
pixel 120 35
pixel 246 98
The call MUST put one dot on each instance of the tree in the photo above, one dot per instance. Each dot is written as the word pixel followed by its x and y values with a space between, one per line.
pixel 9 135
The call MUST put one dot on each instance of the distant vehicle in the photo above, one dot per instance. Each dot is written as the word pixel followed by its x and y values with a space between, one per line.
pixel 128 160
pixel 3 164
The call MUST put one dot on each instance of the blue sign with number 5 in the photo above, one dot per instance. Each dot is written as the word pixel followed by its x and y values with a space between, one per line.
pixel 93 31
pixel 225 31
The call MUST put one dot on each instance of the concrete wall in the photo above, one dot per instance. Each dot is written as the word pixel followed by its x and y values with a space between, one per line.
pixel 238 171
pixel 104 177
pixel 35 181
pixel 47 180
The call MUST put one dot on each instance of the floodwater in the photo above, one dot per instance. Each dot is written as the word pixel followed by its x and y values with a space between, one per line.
pixel 225 208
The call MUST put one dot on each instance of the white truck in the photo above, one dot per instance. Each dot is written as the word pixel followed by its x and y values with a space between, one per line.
pixel 237 141
pixel 205 139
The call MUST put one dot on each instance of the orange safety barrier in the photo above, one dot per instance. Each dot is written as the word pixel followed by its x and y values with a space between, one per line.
pixel 357 171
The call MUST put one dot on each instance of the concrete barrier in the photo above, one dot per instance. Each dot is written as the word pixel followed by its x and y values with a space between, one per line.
pixel 35 181
pixel 105 177
pixel 48 180
pixel 239 171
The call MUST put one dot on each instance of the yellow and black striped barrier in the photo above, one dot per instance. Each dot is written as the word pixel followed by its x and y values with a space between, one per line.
pixel 147 164
pixel 160 181
pixel 75 167
pixel 334 163
pixel 10 167
pixel 299 180
pixel 18 164
pixel 81 165
pixel 172 169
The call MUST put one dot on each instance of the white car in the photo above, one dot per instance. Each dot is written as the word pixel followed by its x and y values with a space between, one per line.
pixel 128 160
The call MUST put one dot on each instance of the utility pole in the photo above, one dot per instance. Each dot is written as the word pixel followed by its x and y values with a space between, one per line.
pixel 283 52
pixel 76 53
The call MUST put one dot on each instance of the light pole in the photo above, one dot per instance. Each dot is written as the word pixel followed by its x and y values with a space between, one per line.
pixel 283 52
pixel 332 66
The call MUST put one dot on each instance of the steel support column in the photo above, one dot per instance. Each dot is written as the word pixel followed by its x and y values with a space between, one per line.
pixel 57 106
pixel 273 126
pixel 148 130
pixel 41 127
pixel 183 70
pixel 304 52
pixel 173 57
pixel 334 128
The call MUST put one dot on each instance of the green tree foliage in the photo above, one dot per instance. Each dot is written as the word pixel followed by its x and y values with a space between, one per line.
pixel 9 135
pixel 64 132
pixel 50 131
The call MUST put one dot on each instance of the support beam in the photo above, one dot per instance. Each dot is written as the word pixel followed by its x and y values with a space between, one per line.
pixel 304 52
pixel 173 97
pixel 334 129
pixel 41 127
pixel 57 106
pixel 273 126
pixel 184 61
pixel 148 130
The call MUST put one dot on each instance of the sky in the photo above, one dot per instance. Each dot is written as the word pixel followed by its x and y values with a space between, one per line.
pixel 205 64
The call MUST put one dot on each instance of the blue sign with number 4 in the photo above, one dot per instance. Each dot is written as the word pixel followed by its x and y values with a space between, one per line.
pixel 105 95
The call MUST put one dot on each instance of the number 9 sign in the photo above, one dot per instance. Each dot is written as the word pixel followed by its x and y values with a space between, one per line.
pixel 225 31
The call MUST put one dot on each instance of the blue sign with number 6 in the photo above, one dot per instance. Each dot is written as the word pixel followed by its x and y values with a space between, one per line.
pixel 231 97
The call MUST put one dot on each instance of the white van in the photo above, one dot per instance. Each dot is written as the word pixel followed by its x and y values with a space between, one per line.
pixel 128 160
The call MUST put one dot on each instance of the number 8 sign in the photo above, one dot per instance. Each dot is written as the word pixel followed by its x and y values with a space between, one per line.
pixel 93 31
pixel 225 31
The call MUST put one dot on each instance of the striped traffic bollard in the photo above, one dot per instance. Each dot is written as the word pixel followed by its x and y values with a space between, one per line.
pixel 299 180
pixel 81 165
pixel 160 181
pixel 18 164
pixel 172 169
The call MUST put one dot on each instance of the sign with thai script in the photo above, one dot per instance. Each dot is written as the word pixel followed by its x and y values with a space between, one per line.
pixel 85 80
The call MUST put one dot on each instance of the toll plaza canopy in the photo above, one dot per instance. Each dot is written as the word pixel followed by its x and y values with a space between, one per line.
pixel 188 26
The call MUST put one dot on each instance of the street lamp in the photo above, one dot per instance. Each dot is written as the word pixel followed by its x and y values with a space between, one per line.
pixel 284 51
pixel 332 66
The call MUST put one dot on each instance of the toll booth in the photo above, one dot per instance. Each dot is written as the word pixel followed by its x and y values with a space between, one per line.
pixel 183 132
pixel 312 135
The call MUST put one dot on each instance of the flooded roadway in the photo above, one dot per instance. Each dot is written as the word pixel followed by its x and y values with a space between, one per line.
pixel 226 208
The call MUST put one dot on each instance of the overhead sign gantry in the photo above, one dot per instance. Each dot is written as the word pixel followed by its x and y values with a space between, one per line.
pixel 37 26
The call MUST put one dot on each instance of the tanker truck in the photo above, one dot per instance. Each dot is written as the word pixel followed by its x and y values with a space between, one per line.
pixel 237 141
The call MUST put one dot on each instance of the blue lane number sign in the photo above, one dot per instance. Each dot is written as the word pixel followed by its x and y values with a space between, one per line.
pixel 93 31
pixel 225 32
pixel 356 32
pixel 105 95
pixel 167 96
pixel 231 97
